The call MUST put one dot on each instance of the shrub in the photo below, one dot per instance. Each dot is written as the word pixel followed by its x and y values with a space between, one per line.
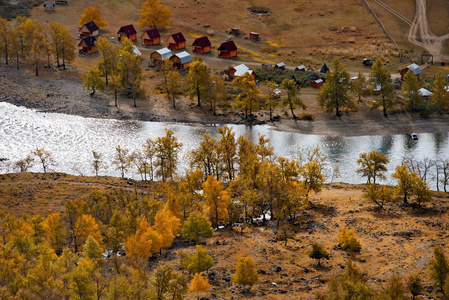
pixel 348 240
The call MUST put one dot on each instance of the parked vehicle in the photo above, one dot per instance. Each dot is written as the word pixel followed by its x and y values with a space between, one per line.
pixel 368 62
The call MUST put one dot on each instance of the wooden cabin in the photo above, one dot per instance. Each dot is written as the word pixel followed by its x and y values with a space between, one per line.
pixel 181 60
pixel 151 37
pixel 416 70
pixel 300 68
pixel 240 70
pixel 157 57
pixel 267 65
pixel 279 66
pixel 87 45
pixel 202 45
pixel 48 6
pixel 235 31
pixel 127 31
pixel 88 29
pixel 176 41
pixel 317 83
pixel 227 50
pixel 254 36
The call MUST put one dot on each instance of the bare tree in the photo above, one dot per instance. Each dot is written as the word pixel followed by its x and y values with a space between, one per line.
pixel 122 160
pixel 445 169
pixel 97 162
pixel 24 164
pixel 44 157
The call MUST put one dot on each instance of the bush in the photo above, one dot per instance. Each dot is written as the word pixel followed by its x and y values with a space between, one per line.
pixel 348 240
pixel 279 75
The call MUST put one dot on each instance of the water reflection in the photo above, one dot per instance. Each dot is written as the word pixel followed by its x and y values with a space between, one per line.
pixel 71 140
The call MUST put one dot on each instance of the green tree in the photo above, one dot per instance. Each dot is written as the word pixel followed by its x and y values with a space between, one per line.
pixel 335 92
pixel 154 14
pixel 318 252
pixel 198 80
pixel 415 285
pixel 248 93
pixel 174 86
pixel 380 79
pixel 245 273
pixel 92 80
pixel 292 99
pixel 196 226
pixel 197 262
pixel 394 289
pixel 440 96
pixel 166 149
pixel 92 14
pixel 372 165
pixel 92 249
pixel 271 100
pixel 439 268
pixel 410 92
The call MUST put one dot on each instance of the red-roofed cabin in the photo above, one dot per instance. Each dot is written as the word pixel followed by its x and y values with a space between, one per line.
pixel 227 50
pixel 127 31
pixel 88 29
pixel 176 41
pixel 87 45
pixel 317 83
pixel 151 37
pixel 202 45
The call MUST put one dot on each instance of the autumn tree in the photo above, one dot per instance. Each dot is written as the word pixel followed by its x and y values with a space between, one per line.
pixel 380 79
pixel 167 283
pixel 144 242
pixel 199 284
pixel 15 45
pixel 439 268
pixel 292 99
pixel 166 149
pixel 246 272
pixel 197 262
pixel 174 86
pixel 24 164
pixel 348 240
pixel 410 92
pixel 198 80
pixel 335 92
pixel 271 101
pixel 44 157
pixel 414 285
pixel 216 93
pixel 97 162
pixel 35 45
pixel 217 199
pixel 129 71
pixel 406 181
pixel 121 160
pixel 318 252
pixel 196 226
pixel 372 165
pixel 81 284
pixel 92 80
pixel 378 194
pixel 394 288
pixel 63 44
pixel 206 157
pixel 313 176
pixel 107 63
pixel 154 14
pixel 167 225
pixel 5 31
pixel 440 96
pixel 92 14
pixel 227 147
pixel 248 93
pixel 359 86
pixel 55 232
pixel 85 226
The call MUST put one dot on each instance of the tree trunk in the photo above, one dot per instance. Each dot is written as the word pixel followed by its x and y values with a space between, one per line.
pixel 198 95
pixel 115 97
pixel 291 109
pixel 383 107
pixel 63 59
pixel 37 70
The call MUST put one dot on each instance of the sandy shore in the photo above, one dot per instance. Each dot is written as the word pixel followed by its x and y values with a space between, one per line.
pixel 62 92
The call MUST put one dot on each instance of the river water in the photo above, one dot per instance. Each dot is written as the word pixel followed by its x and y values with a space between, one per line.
pixel 71 139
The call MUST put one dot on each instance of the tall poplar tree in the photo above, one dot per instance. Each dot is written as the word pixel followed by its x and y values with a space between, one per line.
pixel 380 79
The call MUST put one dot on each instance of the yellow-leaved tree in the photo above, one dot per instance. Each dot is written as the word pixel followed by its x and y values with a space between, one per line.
pixel 154 14
pixel 246 273
pixel 144 242
pixel 86 226
pixel 167 225
pixel 55 232
pixel 92 14
pixel 199 284
pixel 217 200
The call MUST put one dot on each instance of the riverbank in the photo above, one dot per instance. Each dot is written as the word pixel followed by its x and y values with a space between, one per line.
pixel 62 92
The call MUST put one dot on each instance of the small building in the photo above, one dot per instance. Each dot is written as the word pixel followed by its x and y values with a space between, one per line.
pixel 176 41
pixel 317 83
pixel 87 45
pixel 267 65
pixel 48 6
pixel 61 2
pixel 127 31
pixel 279 66
pixel 202 45
pixel 181 60
pixel 227 50
pixel 136 51
pixel 254 36
pixel 240 70
pixel 157 57
pixel 151 37
pixel 416 70
pixel 425 93
pixel 235 31
pixel 324 69
pixel 88 29
pixel 300 68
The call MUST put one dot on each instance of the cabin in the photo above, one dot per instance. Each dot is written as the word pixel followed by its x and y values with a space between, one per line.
pixel 235 31
pixel 202 45
pixel 127 31
pixel 324 69
pixel 176 41
pixel 88 29
pixel 416 70
pixel 279 66
pixel 254 36
pixel 267 65
pixel 48 6
pixel 227 50
pixel 300 68
pixel 157 57
pixel 181 60
pixel 87 45
pixel 151 37
pixel 317 83
pixel 240 70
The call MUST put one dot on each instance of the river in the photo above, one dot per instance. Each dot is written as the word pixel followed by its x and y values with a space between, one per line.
pixel 71 139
